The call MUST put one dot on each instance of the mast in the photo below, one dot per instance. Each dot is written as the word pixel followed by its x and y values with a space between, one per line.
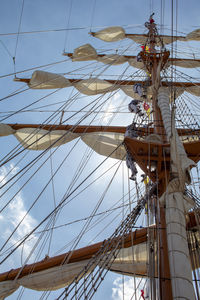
pixel 172 276
pixel 154 61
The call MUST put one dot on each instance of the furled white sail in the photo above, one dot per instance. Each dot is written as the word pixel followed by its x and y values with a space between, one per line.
pixel 112 59
pixel 6 130
pixel 84 53
pixel 87 53
pixel 185 162
pixel 94 86
pixel 110 34
pixel 194 90
pixel 194 35
pixel 40 139
pixel 47 80
pixel 176 206
pixel 132 260
pixel 105 143
pixel 185 63
pixel 7 288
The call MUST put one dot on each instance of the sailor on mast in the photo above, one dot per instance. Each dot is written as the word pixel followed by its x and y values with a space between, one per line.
pixel 134 107
pixel 132 133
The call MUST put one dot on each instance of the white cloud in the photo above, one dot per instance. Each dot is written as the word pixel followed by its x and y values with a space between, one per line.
pixel 112 105
pixel 108 115
pixel 13 214
pixel 125 289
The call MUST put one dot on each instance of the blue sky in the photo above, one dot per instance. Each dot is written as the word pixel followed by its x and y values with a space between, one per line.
pixel 39 49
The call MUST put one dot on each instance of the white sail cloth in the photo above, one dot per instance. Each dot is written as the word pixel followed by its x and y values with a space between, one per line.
pixel 112 34
pixel 132 260
pixel 6 130
pixel 40 139
pixel 103 143
pixel 106 143
pixel 185 63
pixel 47 80
pixel 87 53
pixel 194 35
pixel 183 161
pixel 92 86
pixel 84 53
pixel 95 86
pixel 176 206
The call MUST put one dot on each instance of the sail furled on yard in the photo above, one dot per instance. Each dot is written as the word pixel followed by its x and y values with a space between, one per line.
pixel 47 80
pixel 88 53
pixel 117 33
pixel 84 53
pixel 92 86
pixel 129 261
pixel 176 206
pixel 41 139
pixel 106 143
pixel 194 35
pixel 184 162
pixel 95 86
pixel 103 143
pixel 110 34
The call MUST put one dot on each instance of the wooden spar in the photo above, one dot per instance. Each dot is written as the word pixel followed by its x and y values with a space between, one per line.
pixel 90 128
pixel 101 55
pixel 75 128
pixel 132 35
pixel 136 237
pixel 174 60
pixel 125 82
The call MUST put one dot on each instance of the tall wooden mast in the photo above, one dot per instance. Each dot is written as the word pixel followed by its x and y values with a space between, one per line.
pixel 154 61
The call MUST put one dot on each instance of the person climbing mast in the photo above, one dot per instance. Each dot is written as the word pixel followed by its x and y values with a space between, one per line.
pixel 131 132
pixel 131 165
pixel 134 107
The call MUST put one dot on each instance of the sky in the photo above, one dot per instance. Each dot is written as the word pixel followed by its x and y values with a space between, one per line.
pixel 43 37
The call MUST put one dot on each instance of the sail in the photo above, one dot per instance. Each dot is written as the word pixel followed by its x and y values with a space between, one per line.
pixel 177 205
pixel 58 277
pixel 105 143
pixel 132 261
pixel 112 34
pixel 47 80
pixel 87 53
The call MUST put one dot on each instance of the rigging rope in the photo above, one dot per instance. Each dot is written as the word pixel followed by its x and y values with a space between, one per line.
pixel 17 38
pixel 99 265
pixel 67 24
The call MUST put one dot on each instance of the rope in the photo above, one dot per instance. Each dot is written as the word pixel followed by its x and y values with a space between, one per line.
pixel 103 259
pixel 17 38
pixel 67 25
